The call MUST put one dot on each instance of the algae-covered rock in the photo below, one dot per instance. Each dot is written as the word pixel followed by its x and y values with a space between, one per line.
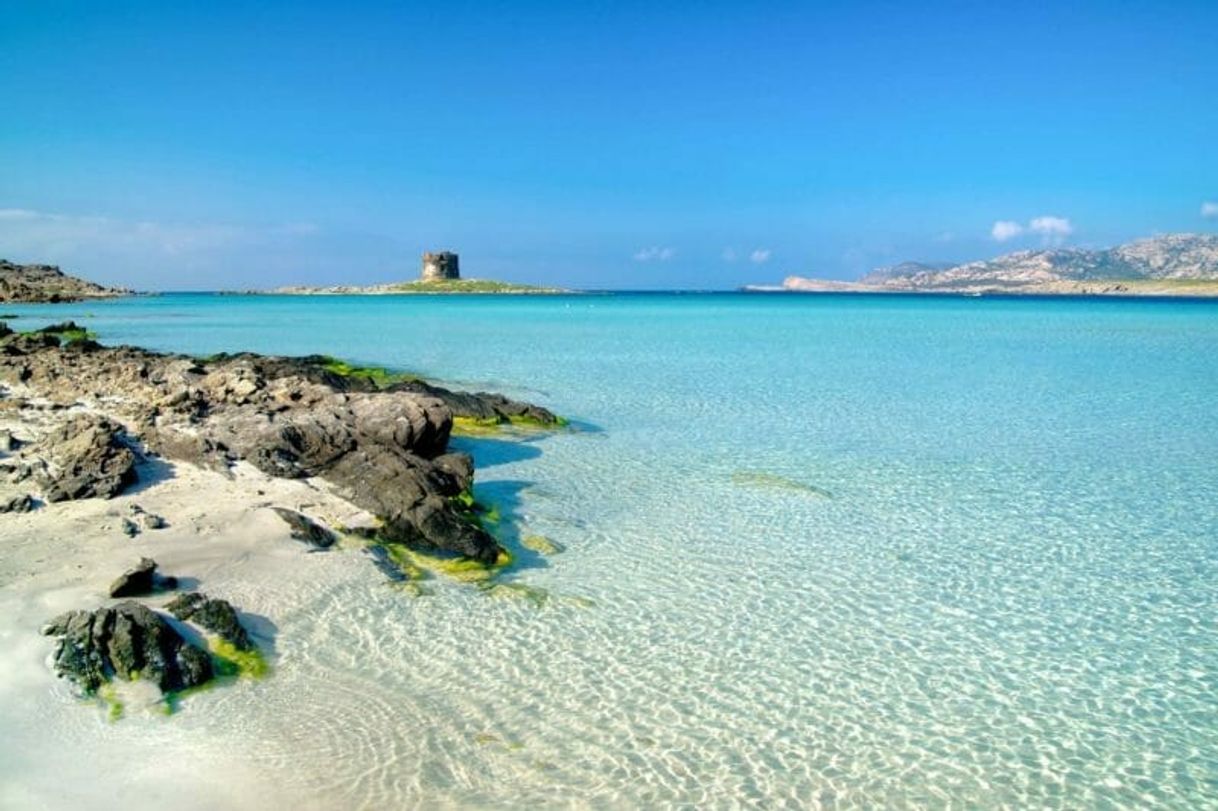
pixel 128 641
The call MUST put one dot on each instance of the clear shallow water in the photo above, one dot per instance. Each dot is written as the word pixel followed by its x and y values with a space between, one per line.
pixel 1005 593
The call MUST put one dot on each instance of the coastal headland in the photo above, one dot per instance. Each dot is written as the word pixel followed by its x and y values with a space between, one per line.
pixel 48 284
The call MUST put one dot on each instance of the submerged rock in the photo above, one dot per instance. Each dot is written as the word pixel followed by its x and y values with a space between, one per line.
pixel 305 529
pixel 85 459
pixel 541 545
pixel 128 641
pixel 217 616
pixel 141 580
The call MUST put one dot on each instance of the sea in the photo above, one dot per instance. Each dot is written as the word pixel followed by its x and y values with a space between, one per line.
pixel 818 551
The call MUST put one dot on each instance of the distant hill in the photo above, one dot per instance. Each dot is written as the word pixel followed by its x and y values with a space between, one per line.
pixel 47 283
pixel 1174 264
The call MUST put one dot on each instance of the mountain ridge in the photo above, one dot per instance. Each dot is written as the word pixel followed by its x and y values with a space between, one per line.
pixel 1169 264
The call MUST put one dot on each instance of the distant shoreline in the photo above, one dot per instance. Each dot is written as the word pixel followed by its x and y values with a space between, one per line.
pixel 1133 288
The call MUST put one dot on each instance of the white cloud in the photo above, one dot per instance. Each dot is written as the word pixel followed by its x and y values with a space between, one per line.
pixel 654 254
pixel 1209 209
pixel 729 254
pixel 760 256
pixel 1051 230
pixel 1006 229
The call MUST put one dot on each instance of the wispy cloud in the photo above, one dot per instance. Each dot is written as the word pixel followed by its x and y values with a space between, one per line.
pixel 729 255
pixel 654 254
pixel 1006 229
pixel 56 236
pixel 1209 210
pixel 760 256
pixel 1051 230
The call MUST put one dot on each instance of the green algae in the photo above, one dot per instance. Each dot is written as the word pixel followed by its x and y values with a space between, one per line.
pixel 772 481
pixel 377 375
pixel 496 426
pixel 114 705
pixel 541 545
pixel 229 660
pixel 475 512
pixel 417 566
pixel 67 336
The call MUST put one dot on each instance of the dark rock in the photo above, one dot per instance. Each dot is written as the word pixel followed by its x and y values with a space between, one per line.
pixel 5 329
pixel 87 460
pixel 217 616
pixel 141 580
pixel 306 529
pixel 63 326
pixel 17 504
pixel 127 641
pixel 130 528
pixel 8 443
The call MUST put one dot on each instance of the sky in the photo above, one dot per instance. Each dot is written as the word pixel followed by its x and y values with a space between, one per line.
pixel 206 145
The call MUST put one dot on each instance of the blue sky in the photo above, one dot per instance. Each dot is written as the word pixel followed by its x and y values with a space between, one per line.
pixel 620 145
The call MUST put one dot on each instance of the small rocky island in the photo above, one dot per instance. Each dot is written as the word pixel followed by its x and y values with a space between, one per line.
pixel 49 284
pixel 440 274
pixel 88 418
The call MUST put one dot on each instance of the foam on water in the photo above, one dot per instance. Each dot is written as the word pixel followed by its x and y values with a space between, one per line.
pixel 1001 592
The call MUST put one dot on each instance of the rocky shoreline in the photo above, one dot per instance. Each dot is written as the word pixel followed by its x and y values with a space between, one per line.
pixel 85 419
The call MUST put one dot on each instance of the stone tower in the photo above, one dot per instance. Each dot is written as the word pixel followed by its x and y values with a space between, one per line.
pixel 437 266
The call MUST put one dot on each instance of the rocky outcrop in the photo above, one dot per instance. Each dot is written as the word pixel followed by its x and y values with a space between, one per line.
pixel 217 616
pixel 127 641
pixel 47 283
pixel 384 449
pixel 320 369
pixel 84 458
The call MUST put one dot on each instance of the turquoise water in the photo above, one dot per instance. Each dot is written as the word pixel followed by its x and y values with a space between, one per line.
pixel 829 551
